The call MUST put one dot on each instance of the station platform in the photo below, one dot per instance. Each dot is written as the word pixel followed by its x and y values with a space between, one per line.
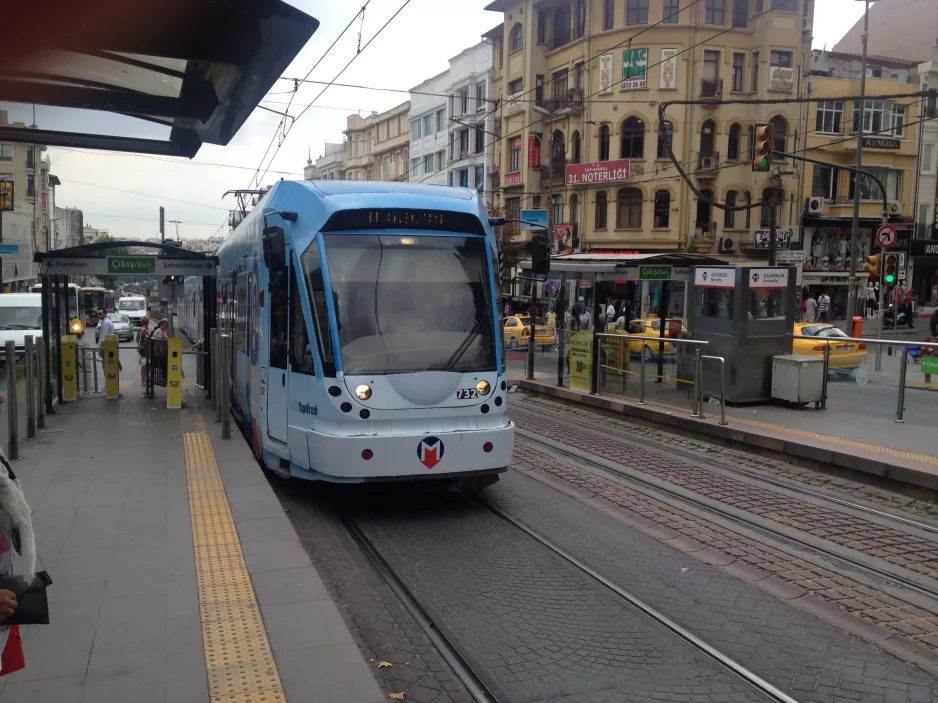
pixel 845 436
pixel 177 575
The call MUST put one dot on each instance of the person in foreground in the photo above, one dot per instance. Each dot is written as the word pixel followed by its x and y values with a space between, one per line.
pixel 16 536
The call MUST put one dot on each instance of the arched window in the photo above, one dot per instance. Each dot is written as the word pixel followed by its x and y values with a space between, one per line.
pixel 574 209
pixel 748 210
pixel 781 129
pixel 604 143
pixel 602 210
pixel 575 148
pixel 771 197
pixel 707 136
pixel 516 38
pixel 665 139
pixel 729 216
pixel 632 145
pixel 732 142
pixel 662 208
pixel 557 150
pixel 629 208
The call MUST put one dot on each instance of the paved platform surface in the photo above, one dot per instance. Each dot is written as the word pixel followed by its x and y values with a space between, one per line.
pixel 844 435
pixel 178 577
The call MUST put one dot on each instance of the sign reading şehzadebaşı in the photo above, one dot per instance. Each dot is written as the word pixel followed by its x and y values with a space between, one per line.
pixel 131 264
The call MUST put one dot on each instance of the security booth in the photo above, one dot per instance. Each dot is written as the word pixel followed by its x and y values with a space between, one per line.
pixel 62 357
pixel 746 315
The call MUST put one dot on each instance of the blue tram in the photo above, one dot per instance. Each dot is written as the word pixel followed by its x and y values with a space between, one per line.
pixel 365 337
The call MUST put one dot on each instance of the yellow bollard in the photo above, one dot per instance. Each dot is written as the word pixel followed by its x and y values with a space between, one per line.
pixel 69 369
pixel 112 377
pixel 173 374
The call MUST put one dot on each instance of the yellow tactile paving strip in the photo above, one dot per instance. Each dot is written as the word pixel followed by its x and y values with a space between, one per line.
pixel 238 657
pixel 127 385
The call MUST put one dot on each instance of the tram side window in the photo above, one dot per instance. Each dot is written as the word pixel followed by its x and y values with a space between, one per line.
pixel 241 323
pixel 278 319
pixel 301 355
pixel 317 289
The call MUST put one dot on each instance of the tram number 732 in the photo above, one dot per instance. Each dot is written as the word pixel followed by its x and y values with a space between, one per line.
pixel 466 393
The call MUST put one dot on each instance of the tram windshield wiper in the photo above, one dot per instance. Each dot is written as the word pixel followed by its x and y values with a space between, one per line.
pixel 466 343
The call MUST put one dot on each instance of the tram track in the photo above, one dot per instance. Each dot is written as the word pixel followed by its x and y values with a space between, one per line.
pixel 474 681
pixel 726 467
pixel 656 490
pixel 907 558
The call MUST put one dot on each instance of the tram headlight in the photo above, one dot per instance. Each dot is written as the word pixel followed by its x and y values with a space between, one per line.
pixel 76 326
pixel 363 391
pixel 483 387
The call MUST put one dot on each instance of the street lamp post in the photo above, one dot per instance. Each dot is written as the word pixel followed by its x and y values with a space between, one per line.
pixel 855 229
pixel 550 207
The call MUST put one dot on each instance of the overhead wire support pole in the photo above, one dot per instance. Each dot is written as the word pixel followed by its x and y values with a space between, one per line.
pixel 855 226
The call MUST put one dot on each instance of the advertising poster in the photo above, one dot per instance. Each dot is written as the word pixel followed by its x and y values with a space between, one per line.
pixel 605 74
pixel 634 69
pixel 668 69
pixel 581 360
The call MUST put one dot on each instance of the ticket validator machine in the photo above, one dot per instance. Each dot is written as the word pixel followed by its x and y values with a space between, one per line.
pixel 747 314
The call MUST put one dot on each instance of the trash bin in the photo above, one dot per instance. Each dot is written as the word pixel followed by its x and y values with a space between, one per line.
pixel 857 326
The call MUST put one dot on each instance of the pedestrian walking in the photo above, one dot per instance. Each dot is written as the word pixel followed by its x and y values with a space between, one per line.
pixel 105 328
pixel 870 300
pixel 143 337
pixel 810 308
pixel 823 307
pixel 161 331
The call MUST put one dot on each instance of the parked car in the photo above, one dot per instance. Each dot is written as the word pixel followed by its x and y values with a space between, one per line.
pixel 20 315
pixel 844 355
pixel 649 328
pixel 516 329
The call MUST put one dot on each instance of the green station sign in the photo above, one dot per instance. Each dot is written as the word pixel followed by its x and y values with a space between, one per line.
pixel 131 264
pixel 654 273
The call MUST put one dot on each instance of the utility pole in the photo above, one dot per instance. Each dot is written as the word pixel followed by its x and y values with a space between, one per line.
pixel 855 228
pixel 162 225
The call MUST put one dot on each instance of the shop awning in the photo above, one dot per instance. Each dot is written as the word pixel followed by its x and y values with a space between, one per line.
pixel 150 77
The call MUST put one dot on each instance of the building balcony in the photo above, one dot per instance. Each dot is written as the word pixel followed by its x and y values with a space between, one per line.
pixel 571 98
pixel 711 88
pixel 708 165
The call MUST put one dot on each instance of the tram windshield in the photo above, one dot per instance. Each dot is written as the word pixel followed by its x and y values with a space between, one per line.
pixel 407 304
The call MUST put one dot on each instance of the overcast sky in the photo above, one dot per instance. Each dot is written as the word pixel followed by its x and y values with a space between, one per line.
pixel 415 46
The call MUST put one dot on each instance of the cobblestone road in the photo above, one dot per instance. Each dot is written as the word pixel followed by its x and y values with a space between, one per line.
pixel 798 652
pixel 384 630
pixel 893 545
pixel 532 627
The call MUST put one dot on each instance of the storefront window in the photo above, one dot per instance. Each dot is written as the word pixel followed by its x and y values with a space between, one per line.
pixel 830 249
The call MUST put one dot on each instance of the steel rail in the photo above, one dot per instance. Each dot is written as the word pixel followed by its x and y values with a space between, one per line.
pixel 778 483
pixel 750 677
pixel 650 489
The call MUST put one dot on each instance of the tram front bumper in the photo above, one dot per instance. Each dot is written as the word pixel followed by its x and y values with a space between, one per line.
pixel 410 455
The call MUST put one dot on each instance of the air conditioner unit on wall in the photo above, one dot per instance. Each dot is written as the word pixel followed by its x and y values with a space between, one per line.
pixel 727 244
pixel 708 163
pixel 814 205
pixel 895 207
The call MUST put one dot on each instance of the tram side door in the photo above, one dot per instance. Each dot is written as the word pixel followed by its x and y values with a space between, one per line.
pixel 278 386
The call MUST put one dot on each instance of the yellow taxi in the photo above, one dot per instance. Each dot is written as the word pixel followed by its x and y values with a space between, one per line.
pixel 649 328
pixel 844 354
pixel 517 328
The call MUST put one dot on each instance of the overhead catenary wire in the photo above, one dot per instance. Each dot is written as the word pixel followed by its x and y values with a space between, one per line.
pixel 282 124
pixel 326 87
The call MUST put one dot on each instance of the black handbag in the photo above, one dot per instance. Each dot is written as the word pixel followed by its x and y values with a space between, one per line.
pixel 32 601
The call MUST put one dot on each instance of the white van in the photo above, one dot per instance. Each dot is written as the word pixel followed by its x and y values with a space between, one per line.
pixel 134 306
pixel 20 315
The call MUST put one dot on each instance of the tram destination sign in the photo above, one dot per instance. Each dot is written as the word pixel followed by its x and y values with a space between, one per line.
pixel 127 266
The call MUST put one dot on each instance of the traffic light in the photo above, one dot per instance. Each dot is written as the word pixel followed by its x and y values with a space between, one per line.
pixel 872 265
pixel 762 145
pixel 539 248
pixel 891 269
